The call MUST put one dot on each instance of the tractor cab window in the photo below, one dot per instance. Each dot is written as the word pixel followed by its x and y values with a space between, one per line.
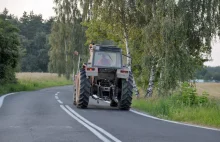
pixel 107 59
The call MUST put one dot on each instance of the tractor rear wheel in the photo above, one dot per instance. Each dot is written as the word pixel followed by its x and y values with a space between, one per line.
pixel 126 93
pixel 83 90
pixel 74 95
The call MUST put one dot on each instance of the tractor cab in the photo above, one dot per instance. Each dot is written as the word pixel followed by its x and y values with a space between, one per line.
pixel 105 57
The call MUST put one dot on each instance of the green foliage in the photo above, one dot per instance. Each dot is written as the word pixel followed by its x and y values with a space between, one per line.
pixel 9 51
pixel 35 43
pixel 185 106
pixel 171 37
pixel 189 97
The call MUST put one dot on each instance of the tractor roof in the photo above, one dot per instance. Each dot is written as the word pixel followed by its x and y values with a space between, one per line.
pixel 112 48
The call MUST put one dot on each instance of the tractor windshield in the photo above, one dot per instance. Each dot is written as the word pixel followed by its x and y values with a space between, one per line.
pixel 107 59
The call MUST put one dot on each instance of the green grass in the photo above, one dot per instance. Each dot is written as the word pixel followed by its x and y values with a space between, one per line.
pixel 173 109
pixel 34 81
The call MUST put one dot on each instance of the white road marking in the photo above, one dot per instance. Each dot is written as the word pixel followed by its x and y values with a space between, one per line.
pixel 57 93
pixel 93 125
pixel 191 125
pixel 60 101
pixel 95 96
pixel 98 134
pixel 3 97
pixel 56 97
pixel 107 102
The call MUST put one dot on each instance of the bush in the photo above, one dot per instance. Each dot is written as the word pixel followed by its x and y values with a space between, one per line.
pixel 189 97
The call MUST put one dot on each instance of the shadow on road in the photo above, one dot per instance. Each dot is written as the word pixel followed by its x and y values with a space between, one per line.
pixel 102 108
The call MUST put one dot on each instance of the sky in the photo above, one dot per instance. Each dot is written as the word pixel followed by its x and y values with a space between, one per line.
pixel 44 7
pixel 17 7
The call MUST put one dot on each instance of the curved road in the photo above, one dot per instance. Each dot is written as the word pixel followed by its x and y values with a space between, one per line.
pixel 48 116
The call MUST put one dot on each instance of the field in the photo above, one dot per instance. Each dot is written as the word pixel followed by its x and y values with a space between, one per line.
pixel 34 81
pixel 212 88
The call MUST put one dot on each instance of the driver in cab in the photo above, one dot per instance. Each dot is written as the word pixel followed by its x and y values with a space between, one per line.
pixel 103 61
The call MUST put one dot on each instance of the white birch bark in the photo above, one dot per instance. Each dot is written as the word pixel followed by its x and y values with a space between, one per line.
pixel 129 64
pixel 150 88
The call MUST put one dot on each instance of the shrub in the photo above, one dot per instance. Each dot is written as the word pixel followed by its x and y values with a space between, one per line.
pixel 188 96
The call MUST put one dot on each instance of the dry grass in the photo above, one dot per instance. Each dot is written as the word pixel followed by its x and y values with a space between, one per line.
pixel 212 88
pixel 35 76
pixel 34 81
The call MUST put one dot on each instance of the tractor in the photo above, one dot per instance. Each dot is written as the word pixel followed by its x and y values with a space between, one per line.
pixel 105 78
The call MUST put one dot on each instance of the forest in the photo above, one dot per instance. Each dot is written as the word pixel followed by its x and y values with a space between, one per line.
pixel 167 40
pixel 209 73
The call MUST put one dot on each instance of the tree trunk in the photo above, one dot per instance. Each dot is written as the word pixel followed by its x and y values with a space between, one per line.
pixel 90 10
pixel 150 88
pixel 128 52
pixel 66 60
pixel 129 64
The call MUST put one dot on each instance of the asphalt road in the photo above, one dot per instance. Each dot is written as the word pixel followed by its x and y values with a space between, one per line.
pixel 48 116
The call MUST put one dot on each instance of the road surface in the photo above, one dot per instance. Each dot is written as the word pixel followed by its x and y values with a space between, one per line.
pixel 48 115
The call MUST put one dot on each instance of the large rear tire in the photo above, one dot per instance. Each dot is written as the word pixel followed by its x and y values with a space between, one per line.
pixel 83 90
pixel 126 93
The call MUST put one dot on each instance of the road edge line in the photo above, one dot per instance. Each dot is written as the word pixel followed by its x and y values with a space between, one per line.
pixel 170 121
pixel 95 132
pixel 3 97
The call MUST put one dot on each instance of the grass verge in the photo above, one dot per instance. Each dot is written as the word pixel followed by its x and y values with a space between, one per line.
pixel 188 108
pixel 34 81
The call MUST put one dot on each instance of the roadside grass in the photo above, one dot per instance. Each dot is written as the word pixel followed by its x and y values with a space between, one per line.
pixel 34 81
pixel 186 107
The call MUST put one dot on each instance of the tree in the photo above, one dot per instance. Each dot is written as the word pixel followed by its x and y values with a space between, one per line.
pixel 177 39
pixel 9 51
pixel 34 33
pixel 67 36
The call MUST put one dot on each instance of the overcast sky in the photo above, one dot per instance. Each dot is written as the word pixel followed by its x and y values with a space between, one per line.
pixel 44 7
pixel 17 7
